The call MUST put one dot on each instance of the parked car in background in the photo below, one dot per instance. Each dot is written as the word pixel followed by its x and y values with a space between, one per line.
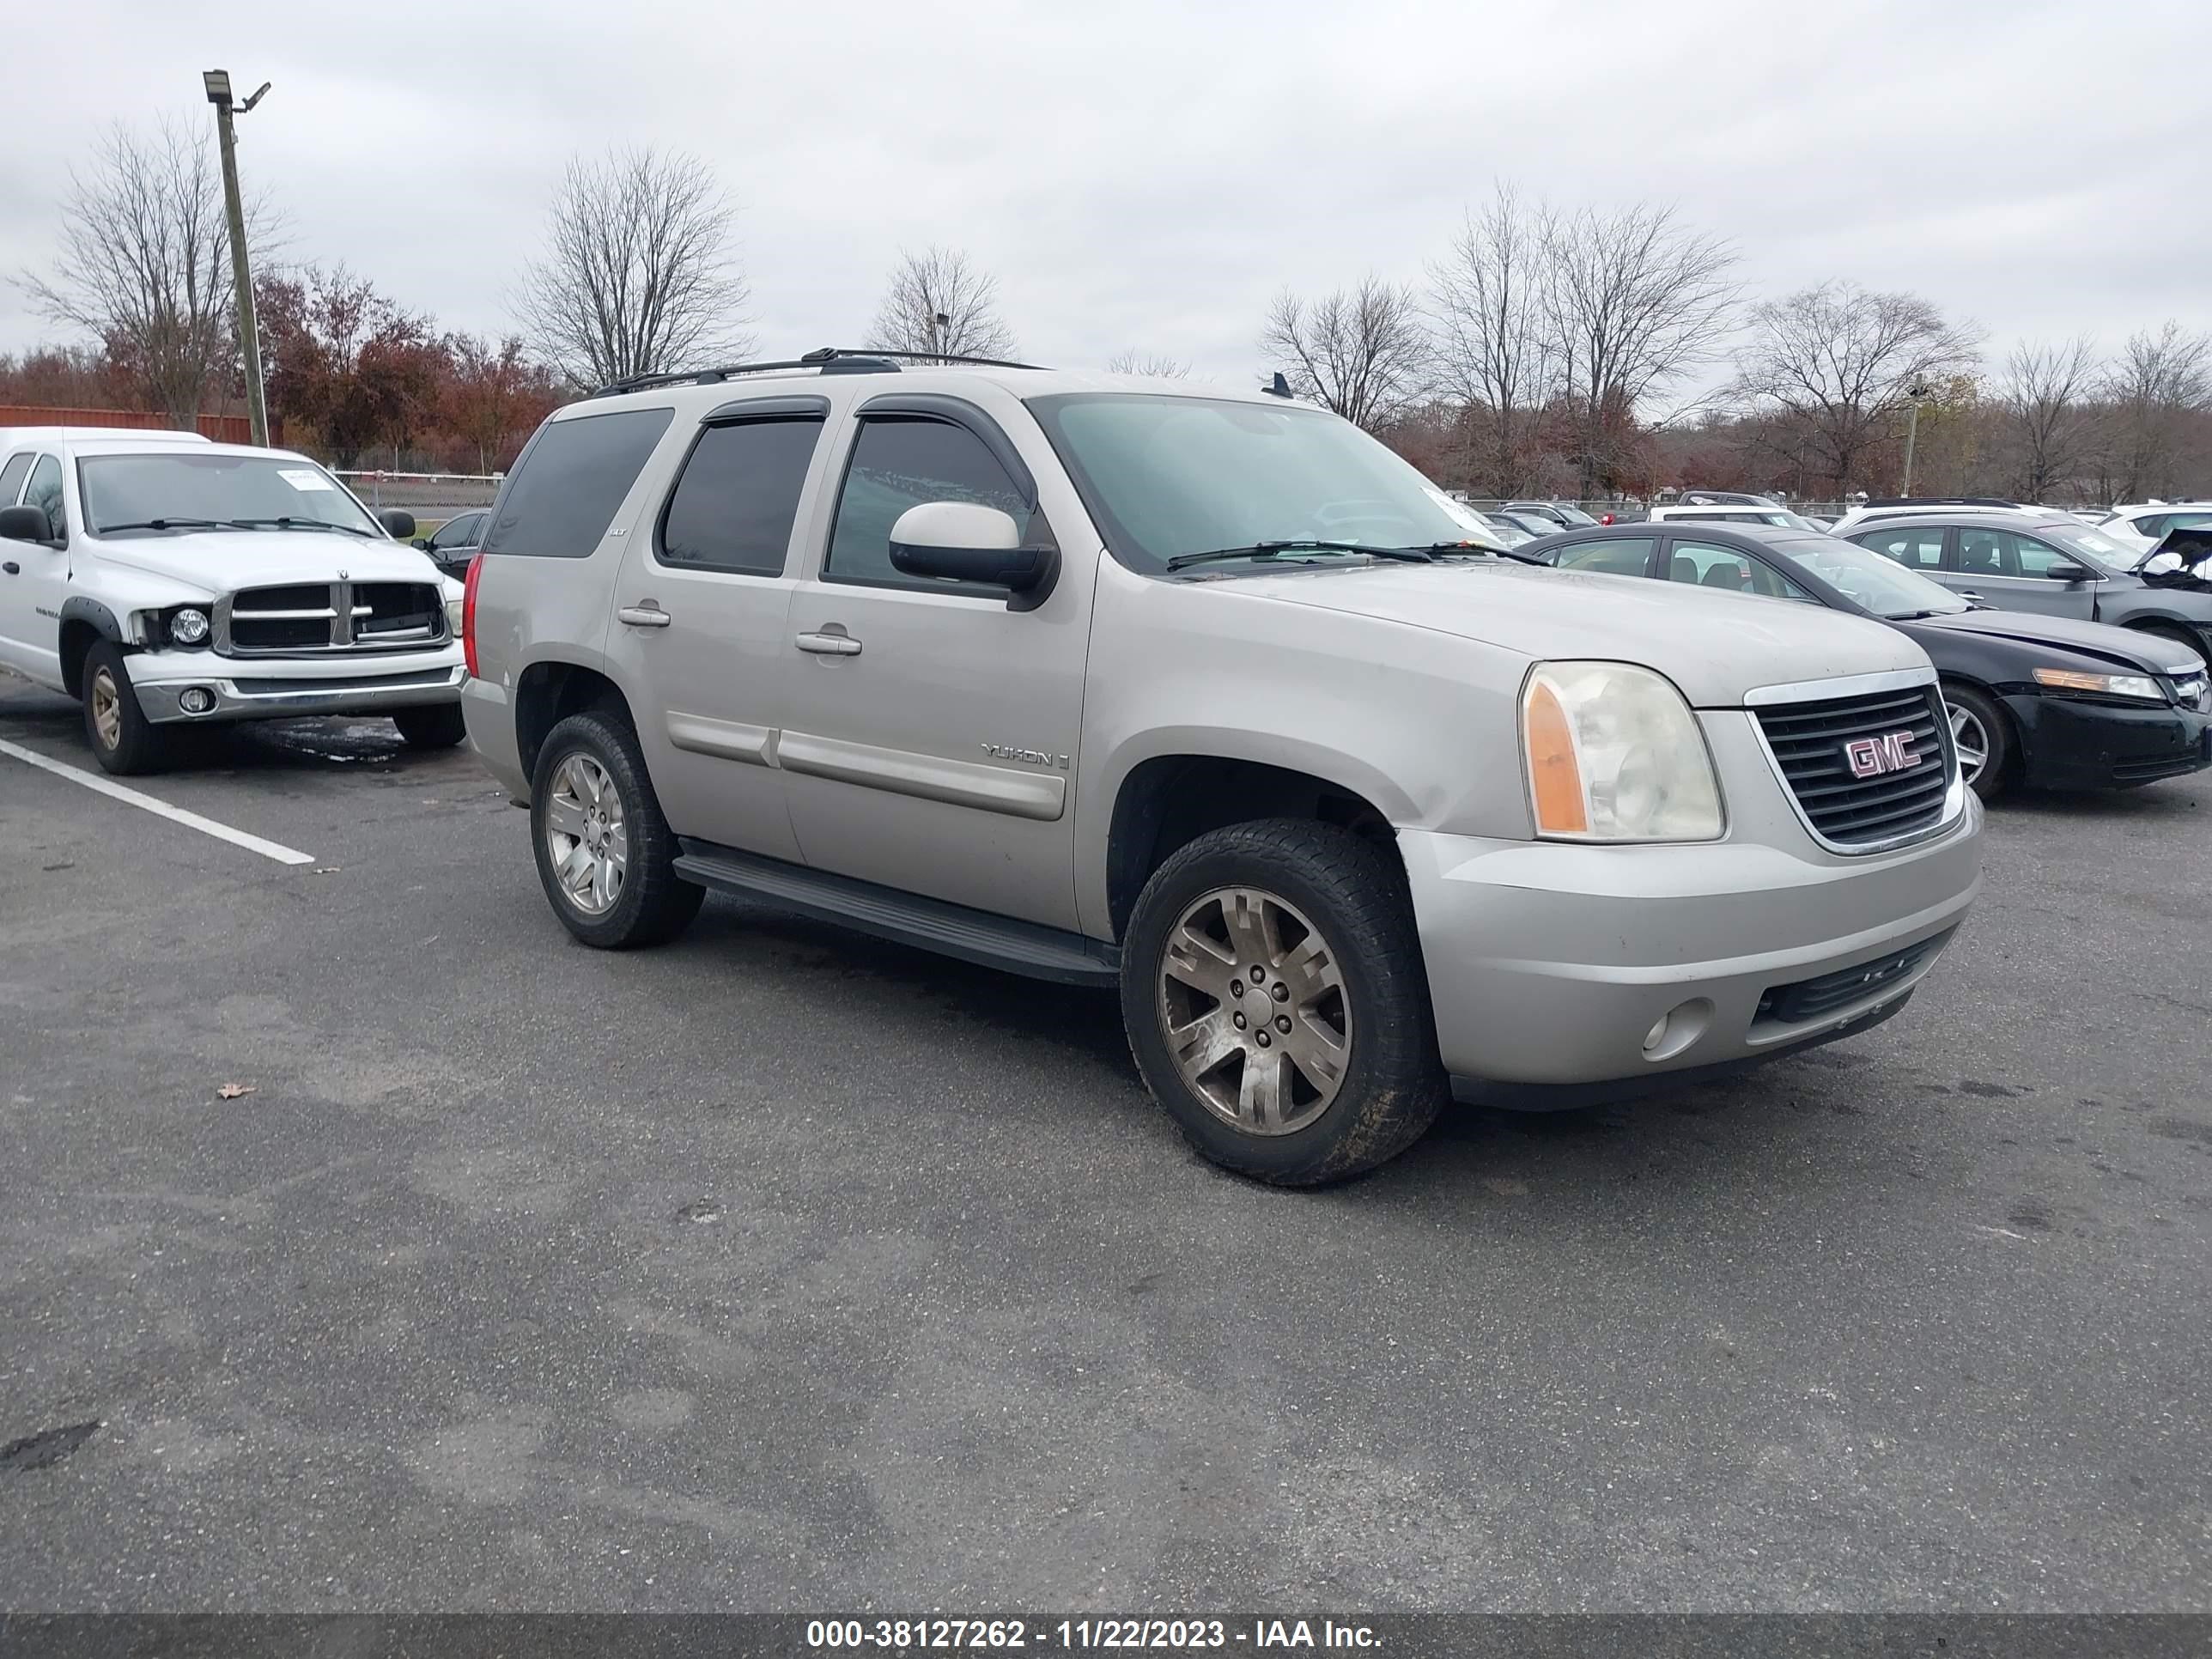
pixel 1721 498
pixel 454 543
pixel 1563 515
pixel 1530 524
pixel 1879 512
pixel 1729 512
pixel 163 580
pixel 1508 532
pixel 2039 701
pixel 1207 700
pixel 2152 520
pixel 2047 562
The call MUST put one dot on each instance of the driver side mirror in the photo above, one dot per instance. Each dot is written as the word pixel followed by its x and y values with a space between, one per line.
pixel 2068 571
pixel 24 524
pixel 965 542
pixel 399 526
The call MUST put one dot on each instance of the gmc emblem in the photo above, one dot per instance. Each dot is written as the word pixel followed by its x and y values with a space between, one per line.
pixel 1869 757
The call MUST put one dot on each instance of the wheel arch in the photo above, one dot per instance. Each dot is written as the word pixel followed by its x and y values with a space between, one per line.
pixel 551 690
pixel 83 623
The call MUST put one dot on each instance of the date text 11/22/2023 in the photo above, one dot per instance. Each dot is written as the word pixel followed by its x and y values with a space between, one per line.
pixel 1164 1635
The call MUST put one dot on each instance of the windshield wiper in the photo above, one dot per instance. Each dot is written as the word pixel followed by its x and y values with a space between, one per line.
pixel 303 523
pixel 160 524
pixel 1468 550
pixel 1263 550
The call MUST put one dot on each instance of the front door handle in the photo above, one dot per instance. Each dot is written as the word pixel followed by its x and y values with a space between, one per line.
pixel 830 645
pixel 647 615
pixel 12 568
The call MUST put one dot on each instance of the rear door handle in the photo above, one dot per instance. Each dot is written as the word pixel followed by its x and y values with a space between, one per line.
pixel 12 568
pixel 647 615
pixel 830 645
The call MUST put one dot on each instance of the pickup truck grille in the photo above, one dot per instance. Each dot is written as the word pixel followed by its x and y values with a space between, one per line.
pixel 1856 786
pixel 324 619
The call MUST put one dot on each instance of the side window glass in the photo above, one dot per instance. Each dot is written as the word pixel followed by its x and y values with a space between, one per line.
pixel 1988 553
pixel 45 493
pixel 11 478
pixel 901 462
pixel 733 507
pixel 1701 565
pixel 570 483
pixel 2036 558
pixel 1628 555
pixel 458 532
pixel 1915 549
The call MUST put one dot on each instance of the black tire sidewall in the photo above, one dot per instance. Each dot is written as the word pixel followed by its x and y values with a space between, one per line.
pixel 138 745
pixel 2004 750
pixel 655 904
pixel 1394 1086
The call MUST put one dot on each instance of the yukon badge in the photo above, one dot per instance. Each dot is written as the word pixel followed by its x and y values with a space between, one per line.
pixel 1007 752
pixel 1892 751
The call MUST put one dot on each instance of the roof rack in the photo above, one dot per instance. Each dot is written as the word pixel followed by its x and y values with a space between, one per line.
pixel 1943 500
pixel 828 360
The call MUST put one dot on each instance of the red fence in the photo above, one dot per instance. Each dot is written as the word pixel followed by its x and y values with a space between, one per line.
pixel 222 429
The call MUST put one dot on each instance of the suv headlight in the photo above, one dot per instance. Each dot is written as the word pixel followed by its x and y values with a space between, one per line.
pixel 1614 753
pixel 2109 685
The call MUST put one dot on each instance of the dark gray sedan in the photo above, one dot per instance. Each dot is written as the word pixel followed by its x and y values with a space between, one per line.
pixel 2055 565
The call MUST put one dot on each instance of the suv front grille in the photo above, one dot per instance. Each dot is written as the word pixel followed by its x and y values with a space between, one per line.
pixel 318 620
pixel 1814 742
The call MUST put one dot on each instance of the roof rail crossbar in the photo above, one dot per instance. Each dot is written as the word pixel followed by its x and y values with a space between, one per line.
pixel 828 360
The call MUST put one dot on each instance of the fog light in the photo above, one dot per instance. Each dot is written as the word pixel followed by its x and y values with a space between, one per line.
pixel 198 700
pixel 1677 1029
pixel 1657 1034
pixel 188 626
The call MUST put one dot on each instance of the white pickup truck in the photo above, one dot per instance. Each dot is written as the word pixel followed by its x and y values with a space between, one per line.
pixel 165 581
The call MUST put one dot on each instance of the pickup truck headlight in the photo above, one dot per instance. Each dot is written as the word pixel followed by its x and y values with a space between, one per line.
pixel 2109 685
pixel 1614 753
pixel 188 625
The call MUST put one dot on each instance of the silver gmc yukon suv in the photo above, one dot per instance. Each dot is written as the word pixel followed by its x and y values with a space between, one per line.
pixel 165 581
pixel 1208 698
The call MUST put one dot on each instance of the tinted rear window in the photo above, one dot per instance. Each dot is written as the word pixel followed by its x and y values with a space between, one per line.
pixel 734 505
pixel 570 483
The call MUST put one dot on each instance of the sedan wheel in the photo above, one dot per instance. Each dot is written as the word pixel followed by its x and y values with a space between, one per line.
pixel 586 836
pixel 1972 739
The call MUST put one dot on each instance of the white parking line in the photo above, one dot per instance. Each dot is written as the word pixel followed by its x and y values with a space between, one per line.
pixel 268 850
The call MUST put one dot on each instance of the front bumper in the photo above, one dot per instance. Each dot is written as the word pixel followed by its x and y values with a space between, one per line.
pixel 1550 964
pixel 2070 743
pixel 289 688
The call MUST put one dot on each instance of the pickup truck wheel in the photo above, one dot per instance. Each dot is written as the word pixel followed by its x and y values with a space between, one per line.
pixel 1273 986
pixel 439 726
pixel 123 741
pixel 605 854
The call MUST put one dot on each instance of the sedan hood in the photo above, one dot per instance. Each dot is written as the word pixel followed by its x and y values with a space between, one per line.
pixel 223 561
pixel 2123 647
pixel 1715 645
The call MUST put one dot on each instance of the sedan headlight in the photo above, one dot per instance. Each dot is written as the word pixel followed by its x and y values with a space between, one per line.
pixel 2110 685
pixel 1614 753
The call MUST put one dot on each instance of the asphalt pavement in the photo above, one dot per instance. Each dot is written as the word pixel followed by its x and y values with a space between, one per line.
pixel 780 1269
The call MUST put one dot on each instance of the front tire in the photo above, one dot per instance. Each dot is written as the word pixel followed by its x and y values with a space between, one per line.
pixel 123 741
pixel 437 726
pixel 1982 735
pixel 1276 1002
pixel 605 854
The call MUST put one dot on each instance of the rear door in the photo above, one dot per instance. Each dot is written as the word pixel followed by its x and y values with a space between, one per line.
pixel 701 607
pixel 2013 572
pixel 931 731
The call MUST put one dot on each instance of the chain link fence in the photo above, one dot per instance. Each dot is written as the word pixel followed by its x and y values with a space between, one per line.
pixel 433 497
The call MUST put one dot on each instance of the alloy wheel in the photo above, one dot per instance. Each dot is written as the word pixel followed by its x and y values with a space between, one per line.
pixel 1253 1003
pixel 585 835
pixel 1969 739
pixel 107 709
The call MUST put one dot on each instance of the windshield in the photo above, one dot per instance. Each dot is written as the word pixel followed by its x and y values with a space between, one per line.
pixel 2099 548
pixel 193 490
pixel 1165 477
pixel 1887 590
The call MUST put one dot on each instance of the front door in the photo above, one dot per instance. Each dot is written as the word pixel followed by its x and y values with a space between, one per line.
pixel 931 731
pixel 2012 572
pixel 34 580
pixel 700 622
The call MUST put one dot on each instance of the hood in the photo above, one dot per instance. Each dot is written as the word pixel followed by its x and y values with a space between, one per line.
pixel 1715 645
pixel 2123 647
pixel 223 561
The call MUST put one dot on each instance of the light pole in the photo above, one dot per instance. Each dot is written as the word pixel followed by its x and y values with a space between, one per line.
pixel 217 82
pixel 1915 397
pixel 940 325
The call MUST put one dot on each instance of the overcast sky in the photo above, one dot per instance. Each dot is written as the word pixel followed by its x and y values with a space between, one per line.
pixel 1146 175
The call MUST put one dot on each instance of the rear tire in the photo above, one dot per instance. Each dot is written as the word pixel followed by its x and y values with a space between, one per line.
pixel 1323 1064
pixel 1979 725
pixel 438 726
pixel 123 741
pixel 605 854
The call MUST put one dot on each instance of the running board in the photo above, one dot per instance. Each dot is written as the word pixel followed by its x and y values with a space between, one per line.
pixel 952 930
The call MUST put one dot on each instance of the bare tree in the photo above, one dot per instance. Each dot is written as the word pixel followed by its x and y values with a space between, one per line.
pixel 1635 301
pixel 1487 299
pixel 1133 362
pixel 2159 383
pixel 937 302
pixel 1832 366
pixel 1362 352
pixel 145 265
pixel 2046 422
pixel 638 275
